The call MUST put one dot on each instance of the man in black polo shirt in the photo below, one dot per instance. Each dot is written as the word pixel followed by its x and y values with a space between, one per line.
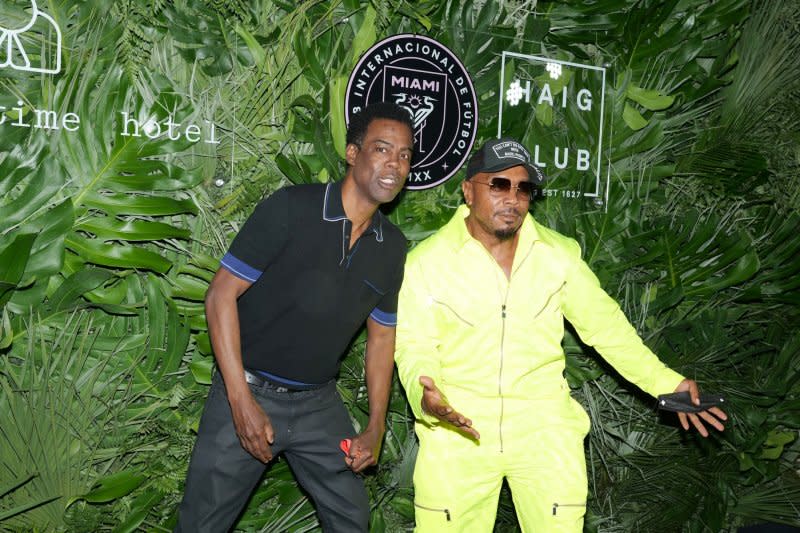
pixel 310 265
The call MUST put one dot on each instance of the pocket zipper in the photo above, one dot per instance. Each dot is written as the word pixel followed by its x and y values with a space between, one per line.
pixel 557 505
pixel 444 304
pixel 546 303
pixel 445 511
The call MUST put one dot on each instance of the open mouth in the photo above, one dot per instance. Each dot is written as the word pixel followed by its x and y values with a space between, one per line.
pixel 389 182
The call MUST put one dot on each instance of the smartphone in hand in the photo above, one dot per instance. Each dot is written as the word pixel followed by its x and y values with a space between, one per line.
pixel 682 402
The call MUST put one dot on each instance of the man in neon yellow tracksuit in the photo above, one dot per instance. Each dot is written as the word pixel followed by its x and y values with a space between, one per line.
pixel 480 324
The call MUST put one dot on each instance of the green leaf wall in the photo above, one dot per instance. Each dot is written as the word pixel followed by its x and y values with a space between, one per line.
pixel 108 241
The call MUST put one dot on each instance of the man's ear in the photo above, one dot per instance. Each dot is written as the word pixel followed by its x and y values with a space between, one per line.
pixel 466 189
pixel 350 153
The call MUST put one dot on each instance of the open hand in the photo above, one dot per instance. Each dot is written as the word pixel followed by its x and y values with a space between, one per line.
pixel 434 403
pixel 713 416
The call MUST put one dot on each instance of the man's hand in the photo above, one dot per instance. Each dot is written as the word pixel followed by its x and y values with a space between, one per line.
pixel 253 427
pixel 434 403
pixel 251 423
pixel 713 415
pixel 364 449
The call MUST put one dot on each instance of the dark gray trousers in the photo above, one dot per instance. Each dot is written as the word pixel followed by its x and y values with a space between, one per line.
pixel 308 425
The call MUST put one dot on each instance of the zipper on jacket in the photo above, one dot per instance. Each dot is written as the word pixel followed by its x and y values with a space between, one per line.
pixel 503 340
pixel 503 335
pixel 445 511
pixel 557 505
pixel 500 376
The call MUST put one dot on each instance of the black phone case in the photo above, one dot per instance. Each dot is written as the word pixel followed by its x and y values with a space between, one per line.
pixel 682 402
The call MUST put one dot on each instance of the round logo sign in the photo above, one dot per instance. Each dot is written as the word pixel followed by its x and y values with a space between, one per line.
pixel 427 79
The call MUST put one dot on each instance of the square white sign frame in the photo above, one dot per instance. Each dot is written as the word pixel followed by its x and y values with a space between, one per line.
pixel 544 60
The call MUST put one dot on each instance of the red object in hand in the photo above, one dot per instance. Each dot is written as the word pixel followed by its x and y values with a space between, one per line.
pixel 345 446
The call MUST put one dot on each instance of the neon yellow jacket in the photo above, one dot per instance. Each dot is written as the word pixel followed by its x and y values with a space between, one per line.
pixel 493 346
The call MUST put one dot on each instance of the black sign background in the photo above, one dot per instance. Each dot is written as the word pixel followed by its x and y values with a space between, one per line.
pixel 426 78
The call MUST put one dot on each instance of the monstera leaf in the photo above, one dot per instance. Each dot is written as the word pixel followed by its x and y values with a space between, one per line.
pixel 208 39
pixel 127 188
pixel 30 183
pixel 693 258
pixel 116 196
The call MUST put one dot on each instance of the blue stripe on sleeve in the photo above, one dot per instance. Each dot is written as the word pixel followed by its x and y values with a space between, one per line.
pixel 383 318
pixel 240 269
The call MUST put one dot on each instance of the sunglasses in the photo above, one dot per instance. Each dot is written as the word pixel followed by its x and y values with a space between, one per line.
pixel 499 186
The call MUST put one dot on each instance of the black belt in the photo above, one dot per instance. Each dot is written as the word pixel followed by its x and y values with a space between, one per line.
pixel 260 381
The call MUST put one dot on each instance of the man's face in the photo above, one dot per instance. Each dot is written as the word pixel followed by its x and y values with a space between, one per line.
pixel 497 213
pixel 381 164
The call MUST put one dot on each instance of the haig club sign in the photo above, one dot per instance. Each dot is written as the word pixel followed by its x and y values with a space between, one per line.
pixel 426 78
pixel 561 104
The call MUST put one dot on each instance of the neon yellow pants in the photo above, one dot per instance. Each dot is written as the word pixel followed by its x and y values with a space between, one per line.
pixel 457 482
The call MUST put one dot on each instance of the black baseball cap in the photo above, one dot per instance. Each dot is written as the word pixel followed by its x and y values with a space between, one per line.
pixel 500 154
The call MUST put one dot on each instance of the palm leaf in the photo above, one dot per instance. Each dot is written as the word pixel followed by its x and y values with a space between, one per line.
pixel 62 415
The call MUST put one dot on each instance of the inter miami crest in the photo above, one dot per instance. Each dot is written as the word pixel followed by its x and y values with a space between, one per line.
pixel 426 78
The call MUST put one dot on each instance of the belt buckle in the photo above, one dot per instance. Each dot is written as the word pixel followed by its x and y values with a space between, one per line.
pixel 252 379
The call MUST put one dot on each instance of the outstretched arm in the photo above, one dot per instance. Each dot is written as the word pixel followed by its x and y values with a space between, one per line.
pixel 601 323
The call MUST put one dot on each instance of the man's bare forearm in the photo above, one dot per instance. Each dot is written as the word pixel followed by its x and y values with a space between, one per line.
pixel 379 367
pixel 222 314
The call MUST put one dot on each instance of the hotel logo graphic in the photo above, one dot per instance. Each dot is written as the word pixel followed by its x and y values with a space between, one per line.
pixel 29 45
pixel 427 79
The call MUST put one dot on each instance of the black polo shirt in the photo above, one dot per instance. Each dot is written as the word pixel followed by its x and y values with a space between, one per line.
pixel 311 292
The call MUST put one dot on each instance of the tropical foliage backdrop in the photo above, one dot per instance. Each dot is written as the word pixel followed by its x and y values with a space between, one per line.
pixel 108 241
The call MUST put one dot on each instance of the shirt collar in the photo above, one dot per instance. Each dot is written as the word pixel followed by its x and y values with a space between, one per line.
pixel 333 210
pixel 459 235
